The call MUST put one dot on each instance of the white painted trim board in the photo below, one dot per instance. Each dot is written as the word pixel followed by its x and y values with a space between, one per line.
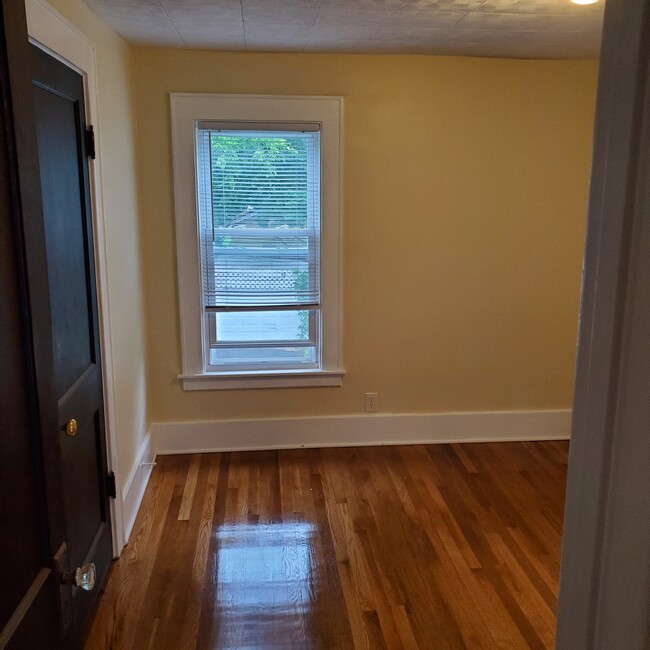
pixel 359 430
pixel 136 484
pixel 185 110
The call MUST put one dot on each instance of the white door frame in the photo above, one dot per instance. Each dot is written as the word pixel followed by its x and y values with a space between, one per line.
pixel 50 31
pixel 604 600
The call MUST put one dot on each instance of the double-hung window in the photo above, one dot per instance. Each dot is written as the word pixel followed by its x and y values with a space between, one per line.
pixel 259 214
pixel 259 295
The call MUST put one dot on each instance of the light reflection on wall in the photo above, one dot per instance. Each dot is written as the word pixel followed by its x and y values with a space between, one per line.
pixel 265 583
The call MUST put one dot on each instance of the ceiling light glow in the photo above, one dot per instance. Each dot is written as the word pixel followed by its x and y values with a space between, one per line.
pixel 584 2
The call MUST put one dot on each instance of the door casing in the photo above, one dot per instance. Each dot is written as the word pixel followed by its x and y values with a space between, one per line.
pixel 605 570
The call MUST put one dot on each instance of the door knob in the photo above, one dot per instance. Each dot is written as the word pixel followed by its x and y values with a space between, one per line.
pixel 82 577
pixel 71 427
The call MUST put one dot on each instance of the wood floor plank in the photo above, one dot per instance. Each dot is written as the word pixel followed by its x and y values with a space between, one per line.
pixel 431 547
pixel 190 631
pixel 188 491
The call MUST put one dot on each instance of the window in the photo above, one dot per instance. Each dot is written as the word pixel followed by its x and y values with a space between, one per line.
pixel 259 215
pixel 257 220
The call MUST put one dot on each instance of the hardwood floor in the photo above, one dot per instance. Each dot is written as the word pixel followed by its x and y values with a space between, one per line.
pixel 441 546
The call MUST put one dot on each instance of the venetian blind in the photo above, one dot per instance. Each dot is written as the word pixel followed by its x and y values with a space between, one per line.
pixel 258 199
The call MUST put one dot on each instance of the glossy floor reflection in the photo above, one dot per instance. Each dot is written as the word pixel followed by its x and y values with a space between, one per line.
pixel 270 577
pixel 265 583
pixel 431 547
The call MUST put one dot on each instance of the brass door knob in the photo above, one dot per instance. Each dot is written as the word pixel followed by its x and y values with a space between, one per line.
pixel 71 427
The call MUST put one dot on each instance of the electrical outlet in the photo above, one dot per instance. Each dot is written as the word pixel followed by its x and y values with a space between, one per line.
pixel 372 402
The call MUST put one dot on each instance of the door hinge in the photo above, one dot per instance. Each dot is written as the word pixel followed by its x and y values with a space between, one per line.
pixel 90 142
pixel 111 490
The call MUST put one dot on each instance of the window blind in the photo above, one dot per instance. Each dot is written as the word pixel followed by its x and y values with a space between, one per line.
pixel 258 196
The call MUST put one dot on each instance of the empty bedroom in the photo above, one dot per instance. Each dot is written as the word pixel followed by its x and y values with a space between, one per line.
pixel 325 324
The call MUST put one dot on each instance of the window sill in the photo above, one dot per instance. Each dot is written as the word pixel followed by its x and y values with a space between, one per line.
pixel 262 379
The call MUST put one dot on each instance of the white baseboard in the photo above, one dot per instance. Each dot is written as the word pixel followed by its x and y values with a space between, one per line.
pixel 136 484
pixel 359 430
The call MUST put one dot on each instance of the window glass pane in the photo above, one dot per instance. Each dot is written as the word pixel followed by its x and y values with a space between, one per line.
pixel 260 180
pixel 263 269
pixel 263 326
pixel 281 356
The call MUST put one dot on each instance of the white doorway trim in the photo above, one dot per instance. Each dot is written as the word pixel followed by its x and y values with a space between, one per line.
pixel 50 31
pixel 604 600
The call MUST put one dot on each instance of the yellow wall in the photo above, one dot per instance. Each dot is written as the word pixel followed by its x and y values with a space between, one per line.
pixel 465 193
pixel 465 189
pixel 116 139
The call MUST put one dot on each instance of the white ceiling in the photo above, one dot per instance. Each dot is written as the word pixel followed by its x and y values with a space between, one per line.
pixel 502 28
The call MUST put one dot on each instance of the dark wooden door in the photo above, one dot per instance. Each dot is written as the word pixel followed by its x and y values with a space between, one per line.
pixel 28 595
pixel 28 613
pixel 54 513
pixel 31 520
pixel 58 98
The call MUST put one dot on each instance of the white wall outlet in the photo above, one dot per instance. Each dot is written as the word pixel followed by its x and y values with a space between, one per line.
pixel 372 402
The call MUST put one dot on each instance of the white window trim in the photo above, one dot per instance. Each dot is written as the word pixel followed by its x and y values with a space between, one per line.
pixel 186 110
